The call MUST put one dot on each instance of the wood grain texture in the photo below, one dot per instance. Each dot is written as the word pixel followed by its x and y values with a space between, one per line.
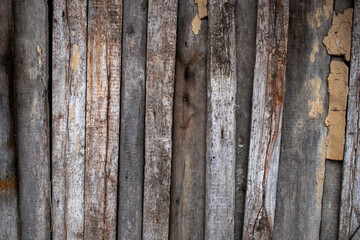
pixel 267 110
pixel 31 59
pixel 220 127
pixel 189 144
pixel 302 158
pixel 350 194
pixel 9 219
pixel 102 118
pixel 132 120
pixel 160 73
pixel 246 19
pixel 68 118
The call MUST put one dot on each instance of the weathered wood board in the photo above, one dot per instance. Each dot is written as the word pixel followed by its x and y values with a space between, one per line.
pixel 102 118
pixel 31 57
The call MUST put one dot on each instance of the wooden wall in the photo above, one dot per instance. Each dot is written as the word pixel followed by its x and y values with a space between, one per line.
pixel 179 119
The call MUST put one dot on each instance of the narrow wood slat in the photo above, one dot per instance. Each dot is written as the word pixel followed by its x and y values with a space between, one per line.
pixel 160 73
pixel 189 141
pixel 267 110
pixel 31 77
pixel 303 145
pixel 132 120
pixel 102 118
pixel 350 194
pixel 9 219
pixel 220 128
pixel 68 118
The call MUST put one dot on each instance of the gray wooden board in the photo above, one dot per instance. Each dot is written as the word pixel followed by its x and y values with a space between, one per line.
pixel 68 118
pixel 31 59
pixel 9 222
pixel 246 18
pixel 188 164
pixel 302 158
pixel 132 120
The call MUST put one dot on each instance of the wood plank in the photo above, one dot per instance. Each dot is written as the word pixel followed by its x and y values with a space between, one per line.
pixel 160 73
pixel 68 118
pixel 350 194
pixel 189 141
pixel 31 57
pixel 302 158
pixel 246 19
pixel 267 111
pixel 9 219
pixel 102 118
pixel 132 120
pixel 220 127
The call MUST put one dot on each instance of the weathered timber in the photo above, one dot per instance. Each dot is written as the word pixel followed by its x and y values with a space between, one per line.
pixel 132 120
pixel 9 219
pixel 246 18
pixel 31 59
pixel 350 194
pixel 68 118
pixel 302 157
pixel 102 118
pixel 220 126
pixel 189 156
pixel 267 110
pixel 160 73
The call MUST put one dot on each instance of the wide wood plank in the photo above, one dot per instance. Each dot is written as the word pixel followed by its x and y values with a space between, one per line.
pixel 102 118
pixel 350 194
pixel 31 57
pixel 132 120
pixel 68 118
pixel 220 126
pixel 160 73
pixel 189 141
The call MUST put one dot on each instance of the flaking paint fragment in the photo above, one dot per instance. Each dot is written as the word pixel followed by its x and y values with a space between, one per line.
pixel 38 49
pixel 196 24
pixel 317 106
pixel 75 58
pixel 321 13
pixel 202 10
pixel 314 51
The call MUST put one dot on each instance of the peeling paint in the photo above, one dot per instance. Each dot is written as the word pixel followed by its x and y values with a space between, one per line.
pixel 72 112
pixel 202 10
pixel 317 106
pixel 75 58
pixel 73 33
pixel 314 51
pixel 38 49
pixel 32 73
pixel 321 13
pixel 196 24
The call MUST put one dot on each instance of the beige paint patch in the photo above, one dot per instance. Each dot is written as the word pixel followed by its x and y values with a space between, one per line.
pixel 314 51
pixel 202 9
pixel 38 49
pixel 338 40
pixel 322 13
pixel 196 24
pixel 72 33
pixel 75 58
pixel 317 106
pixel 72 112
pixel 32 73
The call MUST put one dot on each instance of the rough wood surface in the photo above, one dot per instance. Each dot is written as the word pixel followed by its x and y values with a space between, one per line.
pixel 9 222
pixel 267 110
pixel 32 117
pixel 302 158
pixel 350 193
pixel 102 118
pixel 132 120
pixel 68 118
pixel 160 73
pixel 188 164
pixel 220 127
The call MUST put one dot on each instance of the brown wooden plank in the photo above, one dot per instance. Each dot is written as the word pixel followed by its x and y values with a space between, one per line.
pixel 31 57
pixel 132 120
pixel 221 149
pixel 68 118
pixel 160 73
pixel 189 141
pixel 350 194
pixel 102 118
pixel 267 110
pixel 302 158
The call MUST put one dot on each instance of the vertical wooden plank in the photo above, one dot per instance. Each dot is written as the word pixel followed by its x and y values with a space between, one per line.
pixel 267 110
pixel 132 120
pixel 246 19
pixel 68 118
pixel 302 158
pixel 160 73
pixel 102 118
pixel 220 139
pixel 9 222
pixel 350 193
pixel 32 117
pixel 189 144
